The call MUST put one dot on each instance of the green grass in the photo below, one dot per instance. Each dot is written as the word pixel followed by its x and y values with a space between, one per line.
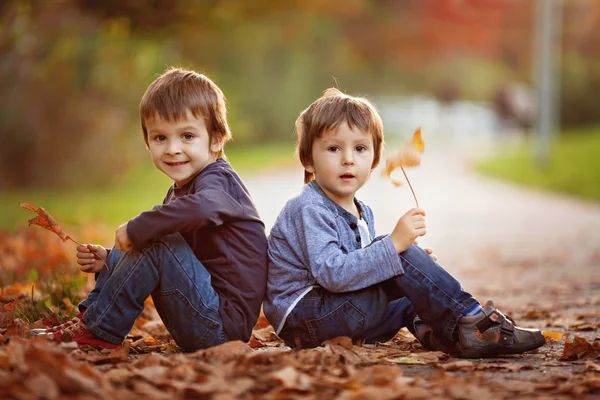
pixel 140 189
pixel 573 167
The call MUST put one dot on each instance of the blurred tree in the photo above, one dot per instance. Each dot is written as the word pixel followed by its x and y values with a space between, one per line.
pixel 72 71
pixel 69 86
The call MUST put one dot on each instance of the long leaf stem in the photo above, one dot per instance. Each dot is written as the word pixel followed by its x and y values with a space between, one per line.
pixel 410 186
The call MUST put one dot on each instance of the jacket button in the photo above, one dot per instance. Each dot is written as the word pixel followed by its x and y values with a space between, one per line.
pixel 358 239
pixel 353 225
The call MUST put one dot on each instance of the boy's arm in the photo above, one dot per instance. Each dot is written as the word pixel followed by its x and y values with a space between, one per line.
pixel 336 270
pixel 208 207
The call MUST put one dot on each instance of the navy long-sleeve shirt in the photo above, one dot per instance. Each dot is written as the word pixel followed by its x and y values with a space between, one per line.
pixel 215 214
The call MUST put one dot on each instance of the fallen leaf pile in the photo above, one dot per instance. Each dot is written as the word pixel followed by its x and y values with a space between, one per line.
pixel 150 365
pixel 28 250
pixel 340 370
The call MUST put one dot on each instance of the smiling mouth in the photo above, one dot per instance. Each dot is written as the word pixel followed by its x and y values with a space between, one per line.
pixel 176 164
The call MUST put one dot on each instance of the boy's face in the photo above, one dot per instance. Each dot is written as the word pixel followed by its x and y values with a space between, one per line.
pixel 342 160
pixel 181 148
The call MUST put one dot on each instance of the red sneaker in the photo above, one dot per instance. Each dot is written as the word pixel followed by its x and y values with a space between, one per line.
pixel 43 331
pixel 79 334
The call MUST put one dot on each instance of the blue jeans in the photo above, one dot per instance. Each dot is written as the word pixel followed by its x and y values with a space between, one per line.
pixel 179 284
pixel 376 313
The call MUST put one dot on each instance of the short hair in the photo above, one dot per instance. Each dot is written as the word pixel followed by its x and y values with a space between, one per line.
pixel 178 90
pixel 328 112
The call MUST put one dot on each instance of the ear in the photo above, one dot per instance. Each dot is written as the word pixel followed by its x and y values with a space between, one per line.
pixel 309 168
pixel 216 144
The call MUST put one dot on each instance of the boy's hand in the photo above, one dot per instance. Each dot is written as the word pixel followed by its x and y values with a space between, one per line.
pixel 122 241
pixel 89 261
pixel 409 227
pixel 428 250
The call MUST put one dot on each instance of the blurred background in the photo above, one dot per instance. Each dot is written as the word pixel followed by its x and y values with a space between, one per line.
pixel 73 71
pixel 508 89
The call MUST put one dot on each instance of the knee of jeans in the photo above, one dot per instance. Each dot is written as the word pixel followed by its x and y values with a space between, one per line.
pixel 114 256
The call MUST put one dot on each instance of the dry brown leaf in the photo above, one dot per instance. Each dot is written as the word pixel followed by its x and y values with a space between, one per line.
pixel 119 376
pixel 42 387
pixel 379 375
pixel 7 314
pixel 536 314
pixel 45 220
pixel 462 365
pixel 224 352
pixel 150 392
pixel 115 356
pixel 18 328
pixel 579 348
pixel 290 378
pixel 592 366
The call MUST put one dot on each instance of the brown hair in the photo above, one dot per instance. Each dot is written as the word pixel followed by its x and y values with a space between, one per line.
pixel 327 113
pixel 179 90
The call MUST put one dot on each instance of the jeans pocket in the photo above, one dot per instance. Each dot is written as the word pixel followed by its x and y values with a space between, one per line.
pixel 191 325
pixel 345 320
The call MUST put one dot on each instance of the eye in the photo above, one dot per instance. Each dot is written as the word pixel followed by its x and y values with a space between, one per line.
pixel 361 149
pixel 187 136
pixel 159 138
pixel 333 149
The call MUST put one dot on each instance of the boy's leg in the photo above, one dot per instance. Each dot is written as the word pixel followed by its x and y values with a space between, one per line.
pixel 399 313
pixel 322 315
pixel 180 286
pixel 438 298
pixel 441 302
pixel 112 260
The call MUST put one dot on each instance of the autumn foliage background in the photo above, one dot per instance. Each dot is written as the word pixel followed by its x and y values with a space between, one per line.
pixel 73 71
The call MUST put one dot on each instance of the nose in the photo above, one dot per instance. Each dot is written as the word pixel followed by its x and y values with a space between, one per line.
pixel 348 157
pixel 173 148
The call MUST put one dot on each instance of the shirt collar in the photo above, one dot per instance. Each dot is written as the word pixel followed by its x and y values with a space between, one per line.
pixel 334 206
pixel 185 189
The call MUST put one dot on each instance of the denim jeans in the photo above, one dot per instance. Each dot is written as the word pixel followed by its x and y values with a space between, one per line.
pixel 179 284
pixel 376 313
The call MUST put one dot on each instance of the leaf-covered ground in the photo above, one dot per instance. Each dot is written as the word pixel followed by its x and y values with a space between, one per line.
pixel 152 366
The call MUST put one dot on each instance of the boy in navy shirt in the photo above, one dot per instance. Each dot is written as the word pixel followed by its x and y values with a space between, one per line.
pixel 202 254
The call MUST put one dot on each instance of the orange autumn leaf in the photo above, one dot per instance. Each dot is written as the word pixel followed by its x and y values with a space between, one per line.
pixel 553 335
pixel 409 155
pixel 578 348
pixel 45 220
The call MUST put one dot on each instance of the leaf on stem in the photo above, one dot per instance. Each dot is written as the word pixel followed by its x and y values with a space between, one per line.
pixel 409 155
pixel 45 220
